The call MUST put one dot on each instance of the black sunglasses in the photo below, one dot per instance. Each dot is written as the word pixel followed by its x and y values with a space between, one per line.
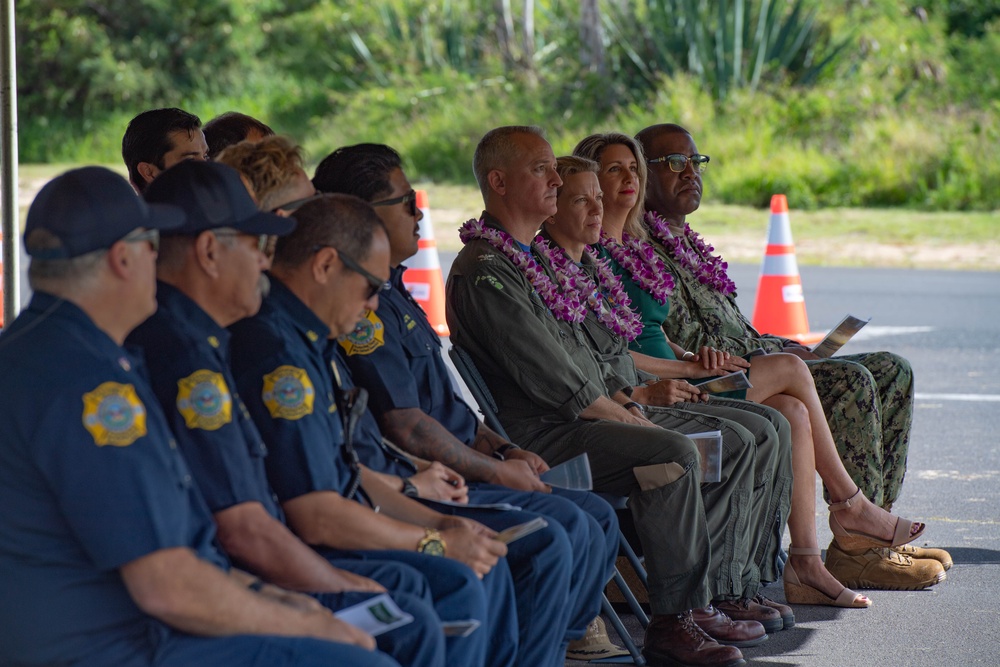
pixel 410 199
pixel 375 285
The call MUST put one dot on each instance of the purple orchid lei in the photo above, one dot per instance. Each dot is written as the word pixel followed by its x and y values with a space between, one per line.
pixel 640 259
pixel 697 259
pixel 619 318
pixel 562 300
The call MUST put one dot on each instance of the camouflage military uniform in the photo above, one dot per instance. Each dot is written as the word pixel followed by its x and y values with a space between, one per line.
pixel 868 398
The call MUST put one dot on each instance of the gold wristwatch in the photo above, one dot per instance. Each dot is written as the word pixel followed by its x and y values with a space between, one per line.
pixel 432 543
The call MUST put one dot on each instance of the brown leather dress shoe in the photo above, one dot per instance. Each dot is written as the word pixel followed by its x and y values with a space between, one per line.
pixel 745 609
pixel 677 641
pixel 787 615
pixel 725 630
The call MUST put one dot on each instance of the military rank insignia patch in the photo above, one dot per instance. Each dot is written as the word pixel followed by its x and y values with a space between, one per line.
pixel 409 322
pixel 368 336
pixel 114 414
pixel 288 393
pixel 203 399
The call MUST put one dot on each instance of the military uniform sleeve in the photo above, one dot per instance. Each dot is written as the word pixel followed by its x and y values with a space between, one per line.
pixel 122 486
pixel 292 410
pixel 381 365
pixel 205 417
pixel 494 311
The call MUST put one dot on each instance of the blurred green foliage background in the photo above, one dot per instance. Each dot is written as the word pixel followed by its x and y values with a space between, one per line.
pixel 855 103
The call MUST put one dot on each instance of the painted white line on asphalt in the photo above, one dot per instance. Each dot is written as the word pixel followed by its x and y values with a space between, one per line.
pixel 974 398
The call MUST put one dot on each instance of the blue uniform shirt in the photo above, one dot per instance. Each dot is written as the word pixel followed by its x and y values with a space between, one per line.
pixel 187 356
pixel 368 443
pixel 397 358
pixel 281 369
pixel 90 479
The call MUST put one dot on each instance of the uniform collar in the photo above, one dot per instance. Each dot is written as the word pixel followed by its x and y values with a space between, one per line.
pixel 187 314
pixel 396 276
pixel 305 320
pixel 45 306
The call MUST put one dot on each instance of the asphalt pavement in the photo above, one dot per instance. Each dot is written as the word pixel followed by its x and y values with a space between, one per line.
pixel 947 324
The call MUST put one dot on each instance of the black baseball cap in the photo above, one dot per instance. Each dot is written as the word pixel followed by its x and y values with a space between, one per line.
pixel 90 209
pixel 213 196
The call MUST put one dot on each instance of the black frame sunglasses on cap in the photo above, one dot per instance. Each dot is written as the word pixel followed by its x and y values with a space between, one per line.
pixel 410 199
pixel 678 162
pixel 375 285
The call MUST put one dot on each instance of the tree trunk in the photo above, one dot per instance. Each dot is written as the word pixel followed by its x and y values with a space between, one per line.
pixel 591 37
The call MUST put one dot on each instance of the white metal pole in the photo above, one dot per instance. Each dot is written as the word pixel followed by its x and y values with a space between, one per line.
pixel 8 166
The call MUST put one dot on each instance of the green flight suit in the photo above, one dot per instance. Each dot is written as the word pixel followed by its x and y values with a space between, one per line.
pixel 742 424
pixel 543 374
pixel 867 398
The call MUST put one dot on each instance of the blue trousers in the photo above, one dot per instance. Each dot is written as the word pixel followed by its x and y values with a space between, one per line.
pixel 417 644
pixel 457 595
pixel 159 646
pixel 554 602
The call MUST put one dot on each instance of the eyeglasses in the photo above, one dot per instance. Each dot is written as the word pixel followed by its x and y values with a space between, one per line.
pixel 678 162
pixel 410 199
pixel 375 284
pixel 139 235
pixel 296 204
pixel 262 239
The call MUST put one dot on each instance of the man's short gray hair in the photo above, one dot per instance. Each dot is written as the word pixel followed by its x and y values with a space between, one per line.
pixel 54 275
pixel 495 151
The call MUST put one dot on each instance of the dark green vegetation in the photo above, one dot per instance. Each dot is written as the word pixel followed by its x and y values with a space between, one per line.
pixel 856 103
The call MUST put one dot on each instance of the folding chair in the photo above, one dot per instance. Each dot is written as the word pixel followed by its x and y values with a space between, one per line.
pixel 488 408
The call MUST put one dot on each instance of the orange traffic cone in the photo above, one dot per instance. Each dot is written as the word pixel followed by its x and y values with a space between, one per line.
pixel 423 278
pixel 780 308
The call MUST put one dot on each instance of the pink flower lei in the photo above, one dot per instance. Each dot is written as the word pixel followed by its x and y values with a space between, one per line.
pixel 563 299
pixel 697 259
pixel 640 259
pixel 619 318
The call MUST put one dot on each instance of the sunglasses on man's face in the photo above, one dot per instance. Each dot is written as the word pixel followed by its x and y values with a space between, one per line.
pixel 262 239
pixel 375 285
pixel 150 235
pixel 678 162
pixel 410 199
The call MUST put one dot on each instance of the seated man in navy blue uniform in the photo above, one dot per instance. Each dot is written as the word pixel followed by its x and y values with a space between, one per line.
pixel 108 550
pixel 326 273
pixel 396 356
pixel 210 275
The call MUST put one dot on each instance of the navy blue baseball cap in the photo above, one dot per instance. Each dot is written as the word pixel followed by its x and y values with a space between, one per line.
pixel 90 209
pixel 213 196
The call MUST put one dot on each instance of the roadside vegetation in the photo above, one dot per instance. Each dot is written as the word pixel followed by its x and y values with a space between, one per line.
pixel 859 104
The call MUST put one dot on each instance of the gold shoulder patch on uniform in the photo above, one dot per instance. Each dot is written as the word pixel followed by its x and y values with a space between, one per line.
pixel 114 414
pixel 288 393
pixel 368 335
pixel 203 399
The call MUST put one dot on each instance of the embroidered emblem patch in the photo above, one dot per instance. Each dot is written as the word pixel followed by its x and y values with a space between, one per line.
pixel 368 335
pixel 203 399
pixel 288 393
pixel 409 322
pixel 114 414
pixel 490 279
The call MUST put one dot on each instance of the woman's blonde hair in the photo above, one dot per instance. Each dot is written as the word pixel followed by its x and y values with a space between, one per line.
pixel 269 164
pixel 593 147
